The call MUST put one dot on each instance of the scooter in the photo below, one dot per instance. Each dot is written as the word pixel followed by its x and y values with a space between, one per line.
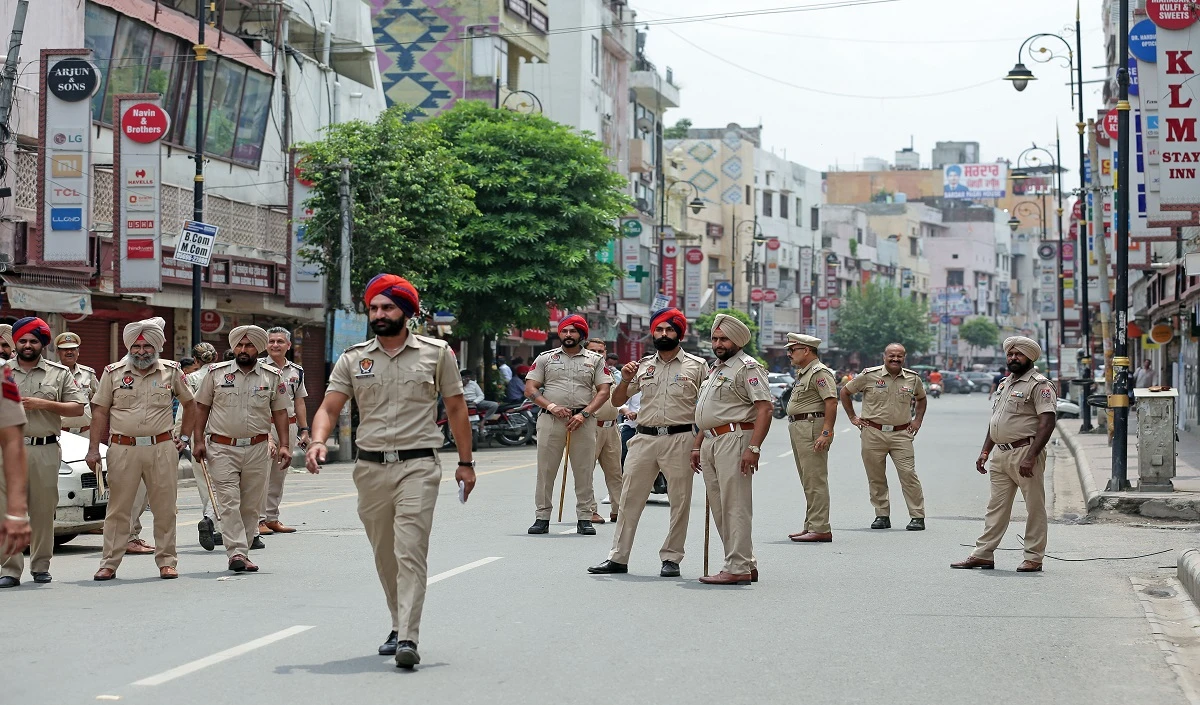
pixel 933 390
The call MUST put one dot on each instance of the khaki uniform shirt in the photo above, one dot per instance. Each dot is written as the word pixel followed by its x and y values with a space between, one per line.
pixel 293 377
pixel 1018 403
pixel 12 413
pixel 241 403
pixel 814 384
pixel 87 380
pixel 193 380
pixel 729 393
pixel 669 389
pixel 607 412
pixel 887 399
pixel 47 380
pixel 569 380
pixel 397 393
pixel 139 403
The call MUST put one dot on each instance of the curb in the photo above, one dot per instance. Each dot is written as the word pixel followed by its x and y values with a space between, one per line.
pixel 1188 572
pixel 1084 469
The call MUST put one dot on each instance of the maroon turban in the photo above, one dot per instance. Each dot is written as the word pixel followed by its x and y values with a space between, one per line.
pixel 672 317
pixel 576 320
pixel 34 325
pixel 398 289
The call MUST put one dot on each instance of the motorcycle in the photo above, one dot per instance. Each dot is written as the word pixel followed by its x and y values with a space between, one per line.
pixel 510 426
pixel 780 403
pixel 934 390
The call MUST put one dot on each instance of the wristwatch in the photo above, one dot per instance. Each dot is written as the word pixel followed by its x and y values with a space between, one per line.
pixel 586 414
pixel 826 433
pixel 465 464
pixel 185 438
pixel 754 449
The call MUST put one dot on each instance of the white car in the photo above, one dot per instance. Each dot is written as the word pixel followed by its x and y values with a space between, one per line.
pixel 81 505
pixel 779 382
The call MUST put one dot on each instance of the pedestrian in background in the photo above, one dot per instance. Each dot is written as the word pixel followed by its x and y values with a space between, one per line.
pixel 279 343
pixel 1144 377
pixel 608 443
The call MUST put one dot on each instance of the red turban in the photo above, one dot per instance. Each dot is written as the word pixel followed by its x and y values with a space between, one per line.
pixel 31 325
pixel 672 317
pixel 398 289
pixel 576 320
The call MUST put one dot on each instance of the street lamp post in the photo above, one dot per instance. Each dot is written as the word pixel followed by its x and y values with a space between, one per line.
pixel 1119 401
pixel 752 265
pixel 1014 223
pixel 1020 77
pixel 1031 160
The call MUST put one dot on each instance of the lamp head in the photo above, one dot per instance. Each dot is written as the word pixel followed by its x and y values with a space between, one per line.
pixel 1019 175
pixel 1013 223
pixel 1020 76
pixel 696 205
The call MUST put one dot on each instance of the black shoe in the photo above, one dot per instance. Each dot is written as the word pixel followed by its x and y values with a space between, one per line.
pixel 406 655
pixel 916 525
pixel 609 567
pixel 257 543
pixel 205 527
pixel 217 540
pixel 670 569
pixel 9 581
pixel 660 484
pixel 540 526
pixel 882 523
pixel 42 578
pixel 388 648
pixel 586 528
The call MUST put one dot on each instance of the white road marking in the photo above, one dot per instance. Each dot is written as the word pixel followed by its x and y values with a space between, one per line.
pixel 784 455
pixel 220 656
pixel 462 569
pixel 568 531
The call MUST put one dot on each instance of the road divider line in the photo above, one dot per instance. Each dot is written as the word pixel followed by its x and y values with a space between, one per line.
pixel 462 569
pixel 784 455
pixel 241 649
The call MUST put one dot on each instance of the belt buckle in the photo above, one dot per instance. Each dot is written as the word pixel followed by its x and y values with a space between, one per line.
pixel 241 443
pixel 143 440
pixel 1005 446
pixel 661 430
pixel 710 433
pixel 391 456
pixel 28 441
pixel 887 428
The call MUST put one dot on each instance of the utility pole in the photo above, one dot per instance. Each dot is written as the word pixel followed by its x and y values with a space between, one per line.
pixel 1101 245
pixel 198 180
pixel 1119 400
pixel 1085 312
pixel 8 83
pixel 345 450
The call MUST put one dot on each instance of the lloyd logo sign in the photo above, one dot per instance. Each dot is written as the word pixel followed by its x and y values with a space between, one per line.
pixel 1178 106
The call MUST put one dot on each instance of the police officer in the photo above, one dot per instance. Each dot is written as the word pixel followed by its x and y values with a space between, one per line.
pixel 734 415
pixel 888 428
pixel 6 341
pixel 669 382
pixel 209 527
pixel 48 393
pixel 67 346
pixel 132 410
pixel 239 402
pixel 608 443
pixel 812 411
pixel 1022 421
pixel 570 383
pixel 14 477
pixel 396 378
pixel 279 342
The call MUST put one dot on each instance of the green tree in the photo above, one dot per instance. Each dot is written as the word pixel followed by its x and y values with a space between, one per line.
pixel 980 332
pixel 704 323
pixel 876 315
pixel 679 131
pixel 547 201
pixel 406 201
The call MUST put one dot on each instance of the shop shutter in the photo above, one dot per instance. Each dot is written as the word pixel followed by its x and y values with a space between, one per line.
pixel 316 373
pixel 95 342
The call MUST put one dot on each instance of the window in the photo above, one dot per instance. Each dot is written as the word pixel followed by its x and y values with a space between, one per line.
pixel 783 205
pixel 799 212
pixel 860 234
pixel 749 196
pixel 595 57
pixel 912 246
pixel 100 27
pixel 252 125
pixel 954 277
pixel 228 81
pixel 767 199
pixel 814 218
pixel 127 71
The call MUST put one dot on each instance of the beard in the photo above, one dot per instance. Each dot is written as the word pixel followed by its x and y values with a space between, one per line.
pixel 569 342
pixel 665 344
pixel 725 354
pixel 245 359
pixel 1018 368
pixel 388 327
pixel 28 354
pixel 143 362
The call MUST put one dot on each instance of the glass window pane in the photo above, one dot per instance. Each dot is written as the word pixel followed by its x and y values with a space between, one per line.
pixel 189 135
pixel 99 26
pixel 252 125
pixel 182 100
pixel 128 73
pixel 164 57
pixel 223 110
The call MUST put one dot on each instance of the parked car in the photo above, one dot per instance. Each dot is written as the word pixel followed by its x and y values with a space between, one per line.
pixel 956 383
pixel 81 504
pixel 982 380
pixel 1067 409
pixel 778 382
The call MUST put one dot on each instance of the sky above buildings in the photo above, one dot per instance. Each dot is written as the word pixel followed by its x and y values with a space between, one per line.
pixel 930 70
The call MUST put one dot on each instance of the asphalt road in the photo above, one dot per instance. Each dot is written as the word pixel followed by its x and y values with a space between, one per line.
pixel 875 616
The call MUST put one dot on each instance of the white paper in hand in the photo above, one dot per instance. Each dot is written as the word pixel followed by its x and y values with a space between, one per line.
pixel 462 492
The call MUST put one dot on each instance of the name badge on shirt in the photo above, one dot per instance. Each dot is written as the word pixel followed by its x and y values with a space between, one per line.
pixel 366 367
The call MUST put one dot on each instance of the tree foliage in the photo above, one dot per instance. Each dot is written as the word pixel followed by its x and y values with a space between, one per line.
pixel 407 203
pixel 876 315
pixel 679 131
pixel 704 323
pixel 980 332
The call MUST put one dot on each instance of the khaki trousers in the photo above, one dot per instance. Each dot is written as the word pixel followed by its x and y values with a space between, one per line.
pixel 877 445
pixel 279 473
pixel 608 454
pixel 814 473
pixel 128 468
pixel 42 462
pixel 731 498
pixel 140 504
pixel 239 479
pixel 649 455
pixel 395 503
pixel 552 440
pixel 1005 479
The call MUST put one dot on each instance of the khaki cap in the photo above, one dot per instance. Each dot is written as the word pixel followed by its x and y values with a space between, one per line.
pixel 67 340
pixel 801 339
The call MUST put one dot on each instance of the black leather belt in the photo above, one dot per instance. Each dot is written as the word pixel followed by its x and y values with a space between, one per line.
pixel 1015 444
pixel 40 440
pixel 394 456
pixel 806 417
pixel 573 411
pixel 664 430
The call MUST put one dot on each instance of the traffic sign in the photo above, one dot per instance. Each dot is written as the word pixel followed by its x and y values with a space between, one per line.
pixel 770 296
pixel 773 243
pixel 756 295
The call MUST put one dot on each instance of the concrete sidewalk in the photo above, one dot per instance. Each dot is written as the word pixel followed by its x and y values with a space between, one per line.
pixel 1093 460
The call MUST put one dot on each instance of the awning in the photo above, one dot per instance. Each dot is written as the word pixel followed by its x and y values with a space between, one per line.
pixel 43 296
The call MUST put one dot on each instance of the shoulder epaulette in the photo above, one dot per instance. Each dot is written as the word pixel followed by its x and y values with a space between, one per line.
pixel 218 365
pixel 269 366
pixel 436 341
pixel 293 364
pixel 646 357
pixel 85 367
pixel 170 363
pixel 52 363
pixel 911 372
pixel 113 366
pixel 871 369
pixel 1039 377
pixel 358 345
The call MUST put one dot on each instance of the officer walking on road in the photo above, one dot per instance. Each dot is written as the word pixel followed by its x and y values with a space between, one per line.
pixel 132 410
pixel 1022 421
pixel 570 384
pixel 888 428
pixel 209 527
pixel 239 402
pixel 395 378
pixel 49 393
pixel 608 443
pixel 812 411
pixel 279 342
pixel 669 382
pixel 733 413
